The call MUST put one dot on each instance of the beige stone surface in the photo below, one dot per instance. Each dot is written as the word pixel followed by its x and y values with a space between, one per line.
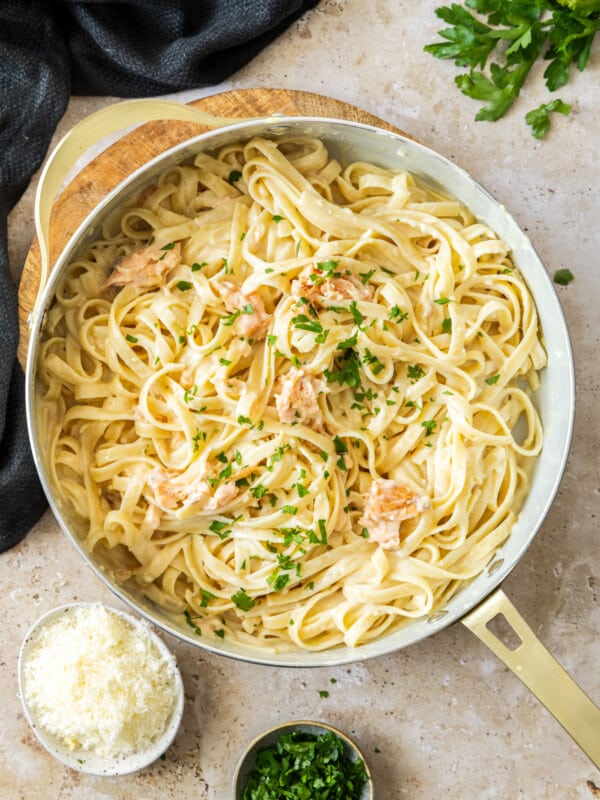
pixel 443 718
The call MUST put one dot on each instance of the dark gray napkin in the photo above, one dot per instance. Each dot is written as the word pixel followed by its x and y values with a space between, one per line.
pixel 132 48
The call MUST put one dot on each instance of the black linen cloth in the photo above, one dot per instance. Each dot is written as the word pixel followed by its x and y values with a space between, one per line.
pixel 50 50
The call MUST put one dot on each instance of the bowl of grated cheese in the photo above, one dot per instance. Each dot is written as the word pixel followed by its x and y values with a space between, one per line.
pixel 100 689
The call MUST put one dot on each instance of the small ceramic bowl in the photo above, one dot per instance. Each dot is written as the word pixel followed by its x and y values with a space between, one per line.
pixel 269 737
pixel 87 760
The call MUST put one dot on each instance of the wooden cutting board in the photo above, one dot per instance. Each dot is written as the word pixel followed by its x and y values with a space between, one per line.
pixel 134 149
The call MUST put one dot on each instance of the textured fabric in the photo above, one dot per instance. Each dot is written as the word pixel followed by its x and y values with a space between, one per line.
pixel 52 50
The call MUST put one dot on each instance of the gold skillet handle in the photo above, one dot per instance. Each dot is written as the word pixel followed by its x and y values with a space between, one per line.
pixel 533 664
pixel 90 131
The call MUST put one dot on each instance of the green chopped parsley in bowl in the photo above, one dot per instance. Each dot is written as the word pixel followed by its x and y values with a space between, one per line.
pixel 303 761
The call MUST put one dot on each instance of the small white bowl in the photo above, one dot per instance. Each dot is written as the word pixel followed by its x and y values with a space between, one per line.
pixel 89 761
pixel 269 737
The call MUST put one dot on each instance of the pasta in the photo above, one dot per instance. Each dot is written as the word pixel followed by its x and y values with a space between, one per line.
pixel 291 399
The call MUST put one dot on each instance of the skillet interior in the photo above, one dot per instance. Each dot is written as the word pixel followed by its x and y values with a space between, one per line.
pixel 350 141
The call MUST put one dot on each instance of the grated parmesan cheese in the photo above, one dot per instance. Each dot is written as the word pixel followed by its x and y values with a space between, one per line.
pixel 98 682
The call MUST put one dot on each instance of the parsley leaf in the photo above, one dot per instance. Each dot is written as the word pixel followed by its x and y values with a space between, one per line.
pixel 563 277
pixel 242 600
pixel 539 118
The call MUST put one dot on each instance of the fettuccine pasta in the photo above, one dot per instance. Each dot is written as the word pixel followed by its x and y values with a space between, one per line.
pixel 290 399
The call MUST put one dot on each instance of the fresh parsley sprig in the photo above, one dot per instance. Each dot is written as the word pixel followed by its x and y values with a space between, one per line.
pixel 517 34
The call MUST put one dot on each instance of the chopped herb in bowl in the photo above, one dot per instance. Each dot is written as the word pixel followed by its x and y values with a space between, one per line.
pixel 303 761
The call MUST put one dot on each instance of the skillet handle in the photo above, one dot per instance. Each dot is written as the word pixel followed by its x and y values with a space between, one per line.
pixel 537 668
pixel 89 131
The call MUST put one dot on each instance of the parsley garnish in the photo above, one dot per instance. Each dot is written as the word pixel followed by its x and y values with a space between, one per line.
pixel 430 426
pixel 365 276
pixel 373 361
pixel 242 600
pixel 415 372
pixel 190 621
pixel 397 315
pixel 563 277
pixel 340 445
pixel 356 315
pixel 559 31
pixel 539 118
pixel 304 323
pixel 234 176
pixel 132 339
pixel 277 581
pixel 220 528
pixel 492 380
pixel 301 765
pixel 348 343
pixel 348 372
pixel 206 596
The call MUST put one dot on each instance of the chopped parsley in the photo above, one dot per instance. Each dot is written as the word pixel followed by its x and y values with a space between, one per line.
pixel 356 315
pixel 242 600
pixel 278 581
pixel 348 371
pixel 397 315
pixel 220 528
pixel 415 372
pixel 190 621
pixel 340 445
pixel 375 364
pixel 349 343
pixel 563 277
pixel 430 425
pixel 492 380
pixel 234 176
pixel 303 765
pixel 206 596
pixel 184 286
pixel 365 276
pixel 304 323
